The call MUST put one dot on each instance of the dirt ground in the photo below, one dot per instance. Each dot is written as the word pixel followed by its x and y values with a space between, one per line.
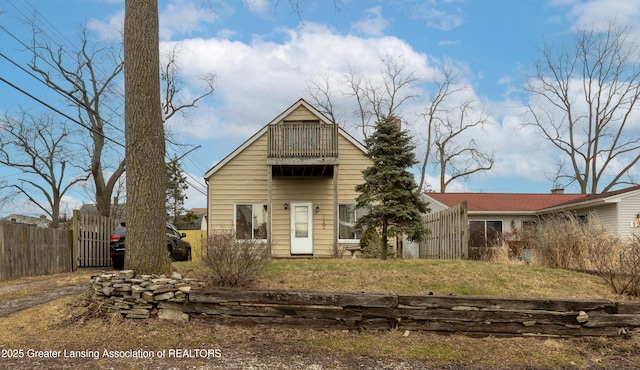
pixel 244 352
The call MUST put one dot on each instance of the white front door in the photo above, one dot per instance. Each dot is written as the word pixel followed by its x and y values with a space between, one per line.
pixel 301 228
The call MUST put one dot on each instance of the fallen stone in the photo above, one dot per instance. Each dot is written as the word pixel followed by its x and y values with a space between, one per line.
pixel 168 314
pixel 582 317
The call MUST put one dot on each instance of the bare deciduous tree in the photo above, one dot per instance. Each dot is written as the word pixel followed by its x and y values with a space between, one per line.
pixel 446 121
pixel 322 95
pixel 373 99
pixel 584 100
pixel 432 116
pixel 87 79
pixel 171 85
pixel 458 158
pixel 39 147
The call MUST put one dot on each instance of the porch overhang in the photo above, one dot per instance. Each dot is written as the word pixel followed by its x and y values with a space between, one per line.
pixel 306 169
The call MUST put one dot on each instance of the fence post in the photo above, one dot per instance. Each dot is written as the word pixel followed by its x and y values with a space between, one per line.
pixel 74 241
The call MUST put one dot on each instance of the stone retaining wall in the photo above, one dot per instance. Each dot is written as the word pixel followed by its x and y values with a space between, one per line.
pixel 122 292
pixel 179 298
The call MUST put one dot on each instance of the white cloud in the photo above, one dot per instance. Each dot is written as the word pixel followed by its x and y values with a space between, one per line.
pixel 257 6
pixel 597 13
pixel 183 17
pixel 373 23
pixel 440 15
pixel 111 29
pixel 179 17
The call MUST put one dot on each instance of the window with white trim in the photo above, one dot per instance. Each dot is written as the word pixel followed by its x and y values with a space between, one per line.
pixel 348 215
pixel 251 221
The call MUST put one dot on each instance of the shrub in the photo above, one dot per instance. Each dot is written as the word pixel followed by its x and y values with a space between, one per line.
pixel 497 252
pixel 564 240
pixel 620 266
pixel 232 262
pixel 370 243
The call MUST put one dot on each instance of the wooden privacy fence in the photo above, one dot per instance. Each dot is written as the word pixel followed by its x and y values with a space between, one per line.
pixel 470 315
pixel 91 234
pixel 27 250
pixel 448 236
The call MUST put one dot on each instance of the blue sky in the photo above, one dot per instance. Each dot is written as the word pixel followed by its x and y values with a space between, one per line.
pixel 264 57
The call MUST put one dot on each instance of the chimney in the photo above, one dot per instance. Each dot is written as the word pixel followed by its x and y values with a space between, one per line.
pixel 557 190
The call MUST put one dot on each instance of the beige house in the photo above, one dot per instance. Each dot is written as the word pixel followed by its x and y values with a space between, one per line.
pixel 291 184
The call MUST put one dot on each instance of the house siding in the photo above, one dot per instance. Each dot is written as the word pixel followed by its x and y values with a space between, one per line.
pixel 352 163
pixel 244 179
pixel 627 211
pixel 608 215
pixel 435 206
pixel 300 114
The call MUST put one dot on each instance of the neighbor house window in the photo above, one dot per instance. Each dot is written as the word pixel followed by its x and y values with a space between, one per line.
pixel 348 216
pixel 251 221
pixel 484 233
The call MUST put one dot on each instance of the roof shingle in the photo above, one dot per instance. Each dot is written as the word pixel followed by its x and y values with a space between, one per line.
pixel 504 202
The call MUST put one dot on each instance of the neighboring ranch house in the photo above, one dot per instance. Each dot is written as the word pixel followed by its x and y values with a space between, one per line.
pixel 292 184
pixel 492 214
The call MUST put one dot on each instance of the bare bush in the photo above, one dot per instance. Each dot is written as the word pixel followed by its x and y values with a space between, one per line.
pixel 566 241
pixel 497 252
pixel 620 266
pixel 232 262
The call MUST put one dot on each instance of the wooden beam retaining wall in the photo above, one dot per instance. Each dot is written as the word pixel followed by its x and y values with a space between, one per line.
pixel 470 315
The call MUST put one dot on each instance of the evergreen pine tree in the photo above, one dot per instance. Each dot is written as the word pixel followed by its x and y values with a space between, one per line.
pixel 176 185
pixel 389 190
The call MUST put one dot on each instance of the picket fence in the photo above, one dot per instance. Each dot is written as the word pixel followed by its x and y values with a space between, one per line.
pixel 91 234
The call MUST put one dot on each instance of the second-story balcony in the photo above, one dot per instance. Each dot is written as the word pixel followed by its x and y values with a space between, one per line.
pixel 302 143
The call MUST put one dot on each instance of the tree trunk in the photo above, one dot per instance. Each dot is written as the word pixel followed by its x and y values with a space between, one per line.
pixel 385 239
pixel 146 249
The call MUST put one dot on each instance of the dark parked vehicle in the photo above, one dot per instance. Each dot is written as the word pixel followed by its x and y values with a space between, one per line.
pixel 178 248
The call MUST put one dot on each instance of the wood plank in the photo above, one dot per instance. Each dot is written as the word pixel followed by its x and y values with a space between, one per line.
pixel 297 297
pixel 266 310
pixel 629 307
pixel 619 320
pixel 271 321
pixel 506 329
pixel 479 316
pixel 504 303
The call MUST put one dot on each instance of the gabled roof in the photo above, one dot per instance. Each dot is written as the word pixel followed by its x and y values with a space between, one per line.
pixel 528 203
pixel 279 118
pixel 503 202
